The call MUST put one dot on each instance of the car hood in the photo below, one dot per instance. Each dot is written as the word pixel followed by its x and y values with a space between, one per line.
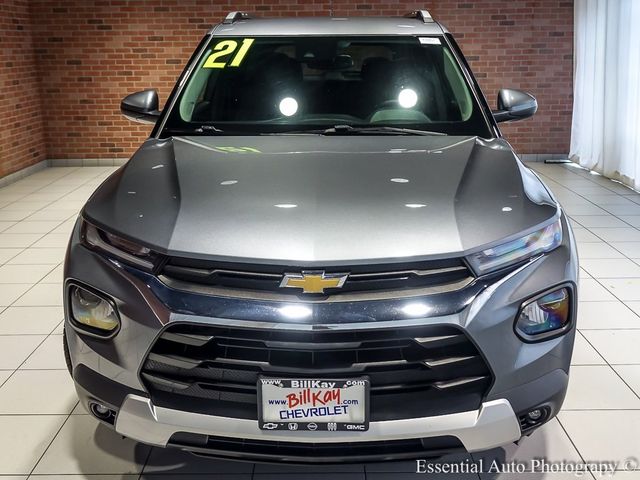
pixel 312 199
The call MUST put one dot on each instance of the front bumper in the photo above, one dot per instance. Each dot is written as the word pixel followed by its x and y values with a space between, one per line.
pixel 526 376
pixel 493 425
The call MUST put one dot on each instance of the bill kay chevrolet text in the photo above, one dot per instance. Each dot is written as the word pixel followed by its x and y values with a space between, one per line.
pixel 324 252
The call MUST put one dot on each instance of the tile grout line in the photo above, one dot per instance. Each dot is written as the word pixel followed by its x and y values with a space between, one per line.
pixel 637 394
pixel 37 347
pixel 146 462
pixel 76 403
pixel 27 359
pixel 586 173
pixel 35 465
pixel 572 442
pixel 552 180
pixel 603 286
pixel 54 266
pixel 626 257
pixel 42 208
pixel 40 189
pixel 60 263
pixel 579 332
pixel 588 179
pixel 33 285
pixel 597 280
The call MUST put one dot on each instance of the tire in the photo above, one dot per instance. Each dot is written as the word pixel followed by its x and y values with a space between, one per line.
pixel 67 355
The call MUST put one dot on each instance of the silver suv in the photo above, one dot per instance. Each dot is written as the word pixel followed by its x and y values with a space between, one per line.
pixel 324 252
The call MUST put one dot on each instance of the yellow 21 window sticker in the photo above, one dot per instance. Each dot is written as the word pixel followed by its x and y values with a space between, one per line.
pixel 225 48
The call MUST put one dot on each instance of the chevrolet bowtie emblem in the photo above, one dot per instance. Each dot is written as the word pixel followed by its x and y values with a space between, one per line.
pixel 313 282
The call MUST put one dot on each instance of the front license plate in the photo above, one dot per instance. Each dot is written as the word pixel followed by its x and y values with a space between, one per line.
pixel 313 404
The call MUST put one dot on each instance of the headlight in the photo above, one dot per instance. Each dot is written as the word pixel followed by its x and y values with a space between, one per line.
pixel 91 312
pixel 540 241
pixel 118 247
pixel 544 316
pixel 127 246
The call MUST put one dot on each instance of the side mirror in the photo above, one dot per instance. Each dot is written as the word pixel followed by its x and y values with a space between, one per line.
pixel 514 105
pixel 141 106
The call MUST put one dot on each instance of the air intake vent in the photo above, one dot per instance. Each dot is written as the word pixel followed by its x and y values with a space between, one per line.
pixel 316 452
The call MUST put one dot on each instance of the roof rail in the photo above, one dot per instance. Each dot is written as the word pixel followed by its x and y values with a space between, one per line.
pixel 233 17
pixel 423 15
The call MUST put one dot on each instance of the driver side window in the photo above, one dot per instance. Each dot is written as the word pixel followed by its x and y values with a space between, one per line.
pixel 458 86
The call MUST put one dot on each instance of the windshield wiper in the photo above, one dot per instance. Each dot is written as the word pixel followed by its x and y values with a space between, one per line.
pixel 335 130
pixel 203 129
pixel 350 130
pixel 209 129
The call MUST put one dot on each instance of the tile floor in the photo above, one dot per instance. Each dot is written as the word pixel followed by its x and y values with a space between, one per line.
pixel 44 434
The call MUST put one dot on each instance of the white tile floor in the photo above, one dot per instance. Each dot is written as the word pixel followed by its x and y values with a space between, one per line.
pixel 44 434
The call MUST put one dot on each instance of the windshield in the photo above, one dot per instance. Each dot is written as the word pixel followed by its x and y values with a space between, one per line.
pixel 301 84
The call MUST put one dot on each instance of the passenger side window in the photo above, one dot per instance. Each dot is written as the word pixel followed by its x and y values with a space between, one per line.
pixel 195 90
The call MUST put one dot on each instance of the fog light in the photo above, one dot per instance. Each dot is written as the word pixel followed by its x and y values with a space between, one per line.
pixel 545 315
pixel 535 414
pixel 102 412
pixel 533 418
pixel 100 409
pixel 90 310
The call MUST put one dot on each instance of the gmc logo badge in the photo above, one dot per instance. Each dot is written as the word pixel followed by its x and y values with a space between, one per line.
pixel 355 427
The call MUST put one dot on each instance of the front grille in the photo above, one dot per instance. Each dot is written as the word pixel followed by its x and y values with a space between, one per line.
pixel 362 278
pixel 413 372
pixel 377 451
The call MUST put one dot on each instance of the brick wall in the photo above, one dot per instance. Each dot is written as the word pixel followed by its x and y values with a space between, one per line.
pixel 21 129
pixel 91 53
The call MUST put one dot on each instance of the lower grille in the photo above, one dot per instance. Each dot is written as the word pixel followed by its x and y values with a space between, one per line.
pixel 413 372
pixel 316 452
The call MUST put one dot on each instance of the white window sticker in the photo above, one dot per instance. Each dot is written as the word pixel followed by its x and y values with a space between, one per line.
pixel 429 40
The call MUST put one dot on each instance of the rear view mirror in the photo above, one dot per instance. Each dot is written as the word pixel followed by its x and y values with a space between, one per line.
pixel 141 106
pixel 339 62
pixel 514 105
